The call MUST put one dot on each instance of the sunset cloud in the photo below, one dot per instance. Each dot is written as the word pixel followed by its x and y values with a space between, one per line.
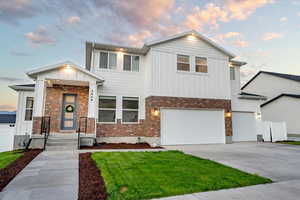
pixel 73 20
pixel 6 107
pixel 283 19
pixel 136 39
pixel 40 36
pixel 241 43
pixel 271 36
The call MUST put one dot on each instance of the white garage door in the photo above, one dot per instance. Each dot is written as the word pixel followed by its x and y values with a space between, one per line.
pixel 183 126
pixel 243 126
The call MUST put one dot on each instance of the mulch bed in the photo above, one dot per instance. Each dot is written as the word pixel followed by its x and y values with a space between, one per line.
pixel 9 172
pixel 121 146
pixel 91 183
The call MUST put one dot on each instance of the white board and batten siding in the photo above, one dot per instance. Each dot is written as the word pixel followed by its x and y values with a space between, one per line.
pixel 244 127
pixel 285 109
pixel 272 86
pixel 23 127
pixel 121 83
pixel 165 80
pixel 192 126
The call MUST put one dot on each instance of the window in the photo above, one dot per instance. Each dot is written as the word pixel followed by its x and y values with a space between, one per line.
pixel 107 109
pixel 183 63
pixel 201 64
pixel 131 63
pixel 130 109
pixel 232 73
pixel 28 108
pixel 108 60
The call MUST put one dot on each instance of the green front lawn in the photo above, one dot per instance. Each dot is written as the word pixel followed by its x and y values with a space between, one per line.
pixel 146 175
pixel 8 157
pixel 290 142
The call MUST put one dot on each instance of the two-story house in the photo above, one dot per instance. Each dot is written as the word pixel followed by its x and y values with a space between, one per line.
pixel 282 92
pixel 183 89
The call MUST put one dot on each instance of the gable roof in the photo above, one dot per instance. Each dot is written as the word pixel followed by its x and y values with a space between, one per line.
pixel 33 73
pixel 285 76
pixel 8 118
pixel 279 96
pixel 194 33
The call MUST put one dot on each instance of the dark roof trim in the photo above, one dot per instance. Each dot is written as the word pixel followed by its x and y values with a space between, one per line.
pixel 7 118
pixel 24 87
pixel 279 96
pixel 285 76
pixel 245 95
pixel 88 55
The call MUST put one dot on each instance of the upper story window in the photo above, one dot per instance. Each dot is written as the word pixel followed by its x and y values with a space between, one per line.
pixel 130 107
pixel 107 109
pixel 232 73
pixel 131 63
pixel 108 60
pixel 29 109
pixel 201 64
pixel 183 63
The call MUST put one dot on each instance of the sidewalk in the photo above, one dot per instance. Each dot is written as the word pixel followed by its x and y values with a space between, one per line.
pixel 288 190
pixel 51 175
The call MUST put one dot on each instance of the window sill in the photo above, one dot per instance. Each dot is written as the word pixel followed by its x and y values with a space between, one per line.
pixel 130 122
pixel 111 123
pixel 193 73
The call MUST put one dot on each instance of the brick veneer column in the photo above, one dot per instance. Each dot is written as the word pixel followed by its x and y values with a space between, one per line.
pixel 36 125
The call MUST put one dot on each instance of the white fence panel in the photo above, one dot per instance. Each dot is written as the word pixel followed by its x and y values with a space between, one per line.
pixel 6 138
pixel 279 131
pixel 272 131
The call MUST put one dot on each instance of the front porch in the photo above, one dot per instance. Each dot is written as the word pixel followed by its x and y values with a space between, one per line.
pixel 65 94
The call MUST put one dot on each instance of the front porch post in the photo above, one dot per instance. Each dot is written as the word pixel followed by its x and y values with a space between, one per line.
pixel 92 107
pixel 38 109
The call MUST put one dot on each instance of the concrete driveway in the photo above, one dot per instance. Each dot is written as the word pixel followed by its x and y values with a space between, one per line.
pixel 279 162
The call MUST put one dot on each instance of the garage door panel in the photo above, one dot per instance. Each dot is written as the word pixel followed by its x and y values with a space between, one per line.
pixel 179 126
pixel 244 126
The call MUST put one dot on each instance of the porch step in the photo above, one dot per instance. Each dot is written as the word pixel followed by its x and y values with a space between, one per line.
pixel 62 142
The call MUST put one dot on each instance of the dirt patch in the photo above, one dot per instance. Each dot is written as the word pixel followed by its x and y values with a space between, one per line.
pixel 121 146
pixel 91 183
pixel 9 172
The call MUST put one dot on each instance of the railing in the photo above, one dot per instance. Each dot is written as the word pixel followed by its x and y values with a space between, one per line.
pixel 45 129
pixel 82 128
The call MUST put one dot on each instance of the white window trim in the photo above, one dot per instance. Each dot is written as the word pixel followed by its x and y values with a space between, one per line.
pixel 107 66
pixel 138 110
pixel 99 109
pixel 125 54
pixel 190 64
pixel 201 65
pixel 26 97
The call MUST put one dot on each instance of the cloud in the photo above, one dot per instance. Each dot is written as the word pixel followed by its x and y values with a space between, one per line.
pixel 73 20
pixel 232 34
pixel 12 11
pixel 18 53
pixel 283 19
pixel 39 37
pixel 298 14
pixel 241 43
pixel 242 9
pixel 11 79
pixel 211 15
pixel 246 73
pixel 6 107
pixel 135 39
pixel 271 36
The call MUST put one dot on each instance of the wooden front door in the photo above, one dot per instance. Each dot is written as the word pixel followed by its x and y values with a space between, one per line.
pixel 69 110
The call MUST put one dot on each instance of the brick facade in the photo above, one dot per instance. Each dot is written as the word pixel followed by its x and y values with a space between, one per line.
pixel 53 105
pixel 150 127
pixel 36 125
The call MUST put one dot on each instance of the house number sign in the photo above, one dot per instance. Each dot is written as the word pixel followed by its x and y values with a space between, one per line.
pixel 92 95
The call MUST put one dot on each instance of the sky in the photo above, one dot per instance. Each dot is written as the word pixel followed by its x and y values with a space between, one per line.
pixel 36 33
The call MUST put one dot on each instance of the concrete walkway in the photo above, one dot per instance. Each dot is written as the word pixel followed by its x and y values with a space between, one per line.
pixel 51 175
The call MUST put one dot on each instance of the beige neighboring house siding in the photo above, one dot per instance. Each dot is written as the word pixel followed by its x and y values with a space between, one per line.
pixel 284 109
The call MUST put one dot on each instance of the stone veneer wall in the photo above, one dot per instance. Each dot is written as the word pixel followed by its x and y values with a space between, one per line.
pixel 53 107
pixel 150 127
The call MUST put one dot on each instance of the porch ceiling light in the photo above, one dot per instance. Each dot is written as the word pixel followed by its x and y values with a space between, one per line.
pixel 68 68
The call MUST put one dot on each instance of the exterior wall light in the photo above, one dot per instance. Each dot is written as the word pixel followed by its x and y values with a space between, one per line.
pixel 228 114
pixel 155 112
pixel 68 68
pixel 258 116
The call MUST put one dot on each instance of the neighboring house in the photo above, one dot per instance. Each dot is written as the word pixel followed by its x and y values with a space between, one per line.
pixel 183 89
pixel 7 130
pixel 283 98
